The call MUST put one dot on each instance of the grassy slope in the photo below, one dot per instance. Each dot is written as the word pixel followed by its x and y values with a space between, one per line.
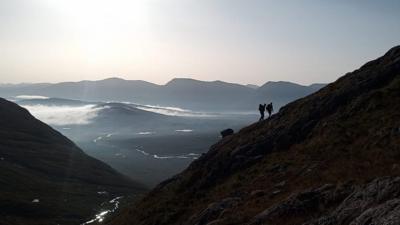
pixel 346 132
pixel 37 162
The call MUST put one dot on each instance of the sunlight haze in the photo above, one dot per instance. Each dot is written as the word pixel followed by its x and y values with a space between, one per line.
pixel 157 40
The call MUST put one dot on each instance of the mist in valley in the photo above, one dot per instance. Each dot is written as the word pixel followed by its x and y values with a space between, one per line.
pixel 148 143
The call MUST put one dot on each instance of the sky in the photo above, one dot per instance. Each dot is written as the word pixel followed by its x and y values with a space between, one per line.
pixel 240 41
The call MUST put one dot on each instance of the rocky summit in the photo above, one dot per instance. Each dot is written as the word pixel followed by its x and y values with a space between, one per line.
pixel 332 157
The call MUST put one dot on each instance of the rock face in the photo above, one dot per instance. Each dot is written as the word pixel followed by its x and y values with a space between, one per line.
pixel 45 178
pixel 329 158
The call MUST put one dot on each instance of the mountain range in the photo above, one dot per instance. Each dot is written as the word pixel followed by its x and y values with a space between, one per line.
pixel 329 158
pixel 179 92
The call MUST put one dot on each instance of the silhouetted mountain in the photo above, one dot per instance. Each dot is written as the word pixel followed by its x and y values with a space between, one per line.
pixel 112 89
pixel 12 90
pixel 205 95
pixel 45 178
pixel 329 158
pixel 179 92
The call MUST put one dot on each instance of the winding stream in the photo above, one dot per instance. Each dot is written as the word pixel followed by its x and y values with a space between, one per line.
pixel 114 203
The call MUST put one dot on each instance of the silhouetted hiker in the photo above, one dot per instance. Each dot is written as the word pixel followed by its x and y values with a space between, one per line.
pixel 261 108
pixel 270 109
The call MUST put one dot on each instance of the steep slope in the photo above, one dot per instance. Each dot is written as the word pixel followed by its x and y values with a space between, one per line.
pixel 47 179
pixel 329 158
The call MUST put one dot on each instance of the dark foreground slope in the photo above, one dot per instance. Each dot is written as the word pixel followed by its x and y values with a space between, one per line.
pixel 330 158
pixel 47 179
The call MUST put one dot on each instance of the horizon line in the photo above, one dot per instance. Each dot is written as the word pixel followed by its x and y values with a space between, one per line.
pixel 175 78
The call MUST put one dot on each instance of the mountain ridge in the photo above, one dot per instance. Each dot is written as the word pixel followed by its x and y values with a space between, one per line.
pixel 179 92
pixel 120 79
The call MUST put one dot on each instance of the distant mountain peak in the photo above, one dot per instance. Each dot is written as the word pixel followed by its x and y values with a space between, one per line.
pixel 185 81
pixel 113 79
pixel 175 81
pixel 281 83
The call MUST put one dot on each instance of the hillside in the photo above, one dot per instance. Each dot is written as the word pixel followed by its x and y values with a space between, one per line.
pixel 45 178
pixel 329 158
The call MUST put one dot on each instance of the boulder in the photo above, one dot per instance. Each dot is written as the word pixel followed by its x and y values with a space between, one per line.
pixel 227 132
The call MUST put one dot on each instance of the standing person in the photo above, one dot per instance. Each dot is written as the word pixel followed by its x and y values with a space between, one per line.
pixel 261 108
pixel 270 109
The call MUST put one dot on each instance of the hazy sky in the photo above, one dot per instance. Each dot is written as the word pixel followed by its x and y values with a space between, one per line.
pixel 244 41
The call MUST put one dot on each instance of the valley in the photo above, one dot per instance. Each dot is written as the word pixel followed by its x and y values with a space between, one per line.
pixel 147 143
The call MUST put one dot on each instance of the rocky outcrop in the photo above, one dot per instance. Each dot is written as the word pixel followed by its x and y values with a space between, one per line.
pixel 227 132
pixel 377 202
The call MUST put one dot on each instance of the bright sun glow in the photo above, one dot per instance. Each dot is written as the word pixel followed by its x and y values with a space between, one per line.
pixel 95 23
pixel 97 14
